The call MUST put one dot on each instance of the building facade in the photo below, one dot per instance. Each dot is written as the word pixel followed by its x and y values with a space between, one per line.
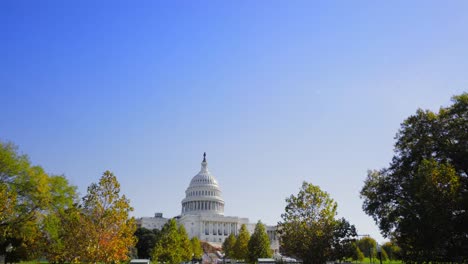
pixel 202 213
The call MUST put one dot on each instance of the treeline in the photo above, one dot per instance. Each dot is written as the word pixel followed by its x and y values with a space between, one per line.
pixel 367 247
pixel 170 245
pixel 248 248
pixel 41 215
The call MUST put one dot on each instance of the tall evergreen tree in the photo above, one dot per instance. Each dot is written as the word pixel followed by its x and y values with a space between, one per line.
pixel 167 248
pixel 259 244
pixel 241 248
pixel 228 246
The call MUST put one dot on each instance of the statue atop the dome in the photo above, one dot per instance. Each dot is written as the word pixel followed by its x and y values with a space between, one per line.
pixel 204 156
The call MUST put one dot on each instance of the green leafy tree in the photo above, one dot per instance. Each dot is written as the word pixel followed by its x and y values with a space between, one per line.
pixel 421 199
pixel 29 199
pixel 196 248
pixel 308 225
pixel 368 246
pixel 52 228
pixel 228 246
pixel 384 254
pixel 110 230
pixel 241 248
pixel 185 244
pixel 393 251
pixel 259 244
pixel 71 236
pixel 357 253
pixel 168 248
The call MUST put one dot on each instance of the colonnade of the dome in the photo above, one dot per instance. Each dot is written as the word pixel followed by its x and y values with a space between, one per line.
pixel 191 206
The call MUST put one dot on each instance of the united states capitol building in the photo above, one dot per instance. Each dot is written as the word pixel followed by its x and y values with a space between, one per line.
pixel 202 213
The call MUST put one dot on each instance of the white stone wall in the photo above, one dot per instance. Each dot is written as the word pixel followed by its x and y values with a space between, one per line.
pixel 152 222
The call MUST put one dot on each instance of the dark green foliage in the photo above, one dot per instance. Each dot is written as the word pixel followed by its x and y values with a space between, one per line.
pixel 259 244
pixel 146 241
pixel 343 240
pixel 421 199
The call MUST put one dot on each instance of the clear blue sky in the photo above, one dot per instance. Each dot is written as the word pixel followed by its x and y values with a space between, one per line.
pixel 276 93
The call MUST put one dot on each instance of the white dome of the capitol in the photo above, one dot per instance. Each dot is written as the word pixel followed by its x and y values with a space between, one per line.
pixel 203 196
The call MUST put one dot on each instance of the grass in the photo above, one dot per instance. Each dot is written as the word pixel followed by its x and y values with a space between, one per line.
pixel 377 261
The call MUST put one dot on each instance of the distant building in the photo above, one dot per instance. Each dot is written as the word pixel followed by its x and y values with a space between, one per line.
pixel 203 213
pixel 156 222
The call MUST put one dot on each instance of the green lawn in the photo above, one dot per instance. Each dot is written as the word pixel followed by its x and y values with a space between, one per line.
pixel 377 261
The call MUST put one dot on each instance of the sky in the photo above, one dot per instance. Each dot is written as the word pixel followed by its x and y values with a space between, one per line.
pixel 275 92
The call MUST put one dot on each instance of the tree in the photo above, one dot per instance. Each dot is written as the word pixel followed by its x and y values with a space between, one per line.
pixel 343 240
pixel 110 231
pixel 368 246
pixel 29 198
pixel 384 254
pixel 72 237
pixel 168 248
pixel 146 241
pixel 309 228
pixel 241 248
pixel 259 244
pixel 196 248
pixel 185 244
pixel 393 251
pixel 229 245
pixel 421 199
pixel 357 253
pixel 52 227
